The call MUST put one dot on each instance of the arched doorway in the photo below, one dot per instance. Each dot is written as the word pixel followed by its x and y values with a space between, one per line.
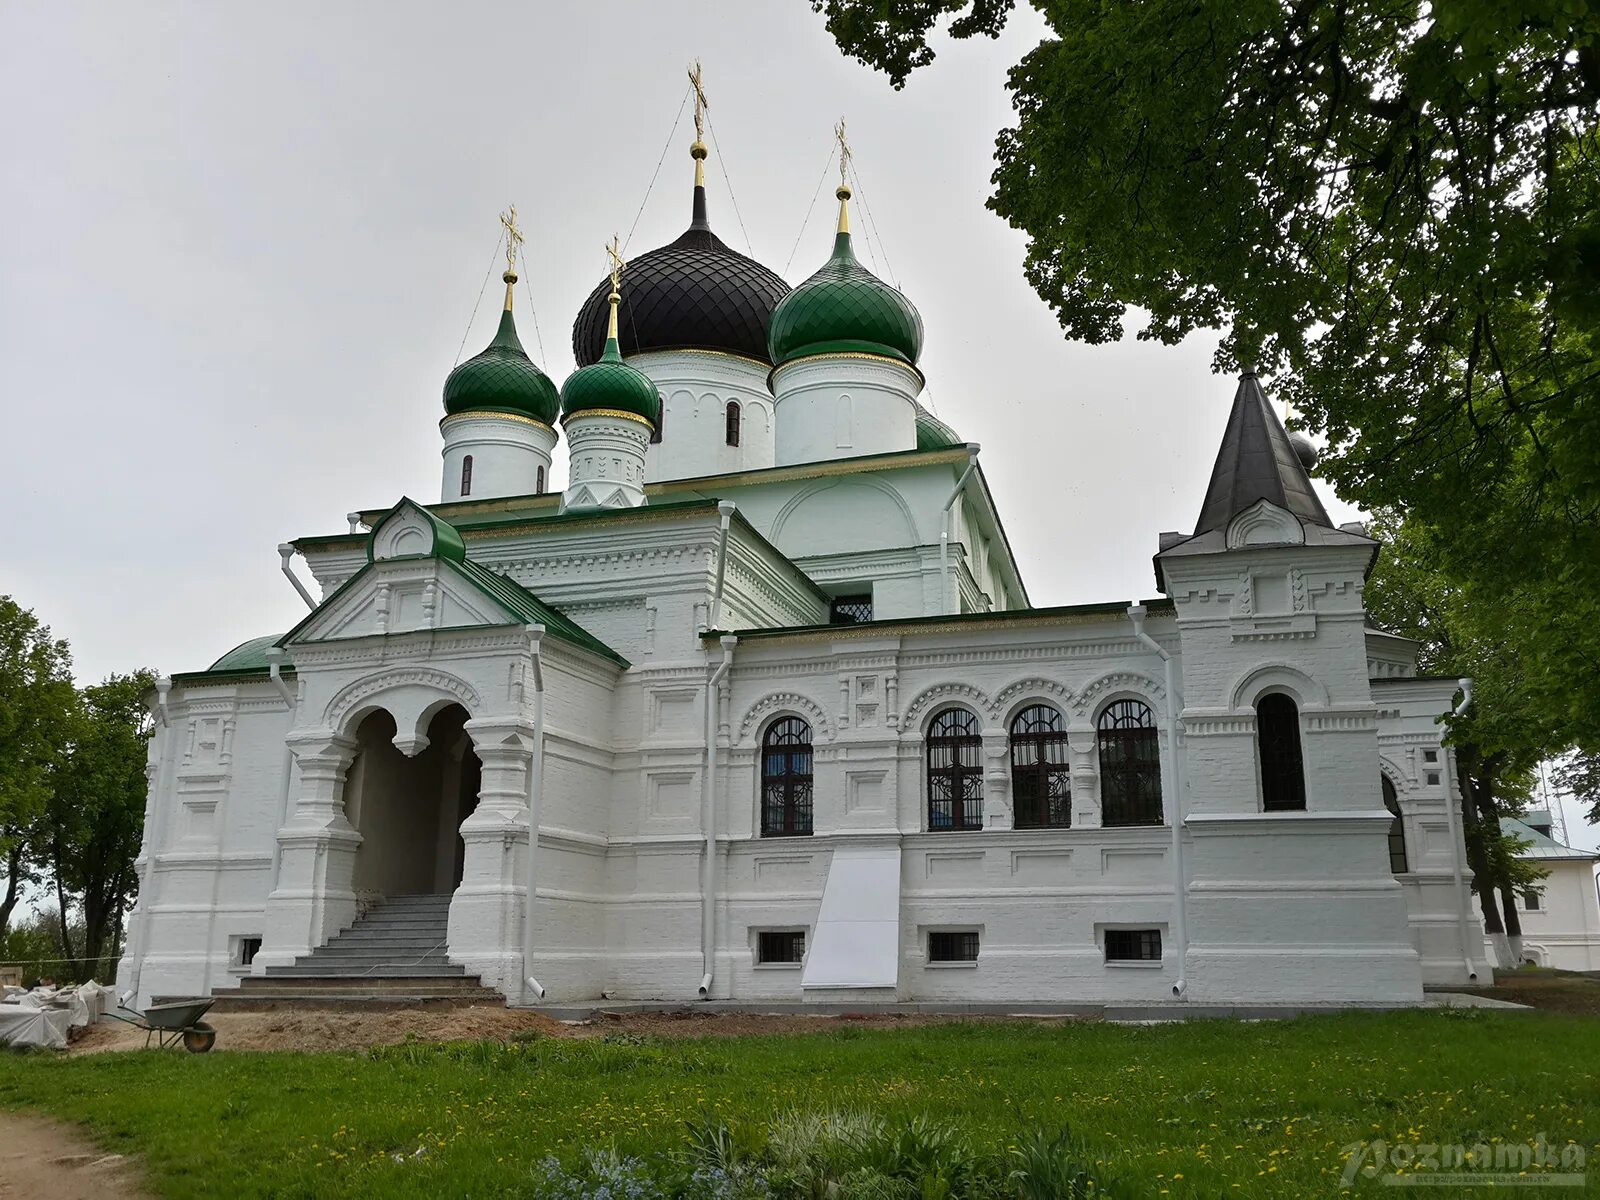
pixel 409 810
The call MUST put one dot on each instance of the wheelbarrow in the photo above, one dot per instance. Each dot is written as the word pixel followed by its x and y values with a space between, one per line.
pixel 173 1022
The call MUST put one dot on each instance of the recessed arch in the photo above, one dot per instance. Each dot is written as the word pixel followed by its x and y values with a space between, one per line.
pixel 411 695
pixel 1274 677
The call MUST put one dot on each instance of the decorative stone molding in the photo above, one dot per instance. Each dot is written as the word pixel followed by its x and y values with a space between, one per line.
pixel 1033 686
pixel 1121 681
pixel 777 702
pixel 944 691
pixel 352 695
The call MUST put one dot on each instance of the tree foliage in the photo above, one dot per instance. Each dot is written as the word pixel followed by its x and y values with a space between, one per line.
pixel 1393 206
pixel 37 702
pixel 1501 738
pixel 94 819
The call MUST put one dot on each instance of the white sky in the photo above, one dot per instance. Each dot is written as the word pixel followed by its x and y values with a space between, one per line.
pixel 239 248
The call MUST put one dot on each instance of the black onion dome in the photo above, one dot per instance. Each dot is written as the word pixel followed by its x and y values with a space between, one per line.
pixel 692 294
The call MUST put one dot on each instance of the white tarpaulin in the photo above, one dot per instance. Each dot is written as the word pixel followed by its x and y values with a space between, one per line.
pixel 24 1025
pixel 856 943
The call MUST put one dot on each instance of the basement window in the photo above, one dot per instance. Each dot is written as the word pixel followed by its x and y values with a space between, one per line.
pixel 780 947
pixel 1133 945
pixel 953 946
pixel 247 950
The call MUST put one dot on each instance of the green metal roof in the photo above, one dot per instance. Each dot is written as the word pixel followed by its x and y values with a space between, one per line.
pixel 844 308
pixel 934 434
pixel 502 379
pixel 447 541
pixel 246 656
pixel 611 383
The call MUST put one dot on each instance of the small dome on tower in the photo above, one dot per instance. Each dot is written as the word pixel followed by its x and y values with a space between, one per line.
pixel 934 434
pixel 503 377
pixel 1304 449
pixel 610 384
pixel 844 308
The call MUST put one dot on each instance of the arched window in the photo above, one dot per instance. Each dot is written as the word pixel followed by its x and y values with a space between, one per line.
pixel 1283 777
pixel 466 476
pixel 786 778
pixel 661 421
pixel 733 423
pixel 1041 773
pixel 1130 764
pixel 955 771
pixel 1397 830
pixel 538 480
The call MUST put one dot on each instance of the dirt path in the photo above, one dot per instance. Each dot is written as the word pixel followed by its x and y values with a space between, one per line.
pixel 39 1157
pixel 312 1029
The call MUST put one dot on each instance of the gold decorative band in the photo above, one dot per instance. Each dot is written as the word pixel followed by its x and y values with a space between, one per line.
pixel 607 412
pixel 485 414
pixel 883 358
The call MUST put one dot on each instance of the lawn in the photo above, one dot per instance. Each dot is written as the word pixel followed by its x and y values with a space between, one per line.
pixel 1204 1110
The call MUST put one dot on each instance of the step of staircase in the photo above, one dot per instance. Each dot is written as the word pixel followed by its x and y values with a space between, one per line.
pixel 395 952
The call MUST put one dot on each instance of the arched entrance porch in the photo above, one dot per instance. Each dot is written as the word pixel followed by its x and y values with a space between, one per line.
pixel 409 811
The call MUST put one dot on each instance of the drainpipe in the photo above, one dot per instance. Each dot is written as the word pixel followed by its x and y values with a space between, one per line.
pixel 275 674
pixel 1180 882
pixel 532 989
pixel 726 508
pixel 286 553
pixel 949 533
pixel 1457 842
pixel 708 822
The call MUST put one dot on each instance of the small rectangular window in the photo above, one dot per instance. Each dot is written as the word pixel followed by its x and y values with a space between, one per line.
pixel 1433 779
pixel 781 946
pixel 248 946
pixel 953 945
pixel 1430 756
pixel 851 610
pixel 1133 945
pixel 1531 900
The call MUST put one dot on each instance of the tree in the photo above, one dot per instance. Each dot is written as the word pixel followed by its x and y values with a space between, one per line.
pixel 94 819
pixel 36 705
pixel 1393 206
pixel 1500 740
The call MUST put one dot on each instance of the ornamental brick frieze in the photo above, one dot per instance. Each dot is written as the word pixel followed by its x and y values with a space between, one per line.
pixel 362 689
pixel 780 701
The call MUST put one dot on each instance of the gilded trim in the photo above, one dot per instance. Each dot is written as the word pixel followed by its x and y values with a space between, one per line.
pixel 486 414
pixel 744 358
pixel 607 412
pixel 909 368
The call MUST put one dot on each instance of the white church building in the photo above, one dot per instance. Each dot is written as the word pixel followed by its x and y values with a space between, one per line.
pixel 758 710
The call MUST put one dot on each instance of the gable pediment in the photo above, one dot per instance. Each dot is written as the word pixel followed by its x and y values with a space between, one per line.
pixel 1265 524
pixel 402 596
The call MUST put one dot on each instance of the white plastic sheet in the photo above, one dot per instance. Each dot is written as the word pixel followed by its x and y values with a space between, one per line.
pixel 856 943
pixel 26 1025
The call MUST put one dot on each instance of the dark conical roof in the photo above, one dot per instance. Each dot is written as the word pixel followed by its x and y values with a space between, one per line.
pixel 1257 462
pixel 692 294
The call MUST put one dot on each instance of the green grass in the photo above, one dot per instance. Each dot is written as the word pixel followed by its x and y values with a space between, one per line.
pixel 1203 1110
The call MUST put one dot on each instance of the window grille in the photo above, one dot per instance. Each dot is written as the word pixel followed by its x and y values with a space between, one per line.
pixel 1130 765
pixel 1041 772
pixel 850 610
pixel 248 947
pixel 1283 779
pixel 780 946
pixel 953 945
pixel 955 771
pixel 466 476
pixel 732 432
pixel 1133 945
pixel 786 779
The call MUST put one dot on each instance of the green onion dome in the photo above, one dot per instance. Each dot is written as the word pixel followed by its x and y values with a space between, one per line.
pixel 503 378
pixel 934 434
pixel 611 385
pixel 844 308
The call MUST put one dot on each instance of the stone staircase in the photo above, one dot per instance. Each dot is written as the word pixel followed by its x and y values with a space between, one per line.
pixel 394 953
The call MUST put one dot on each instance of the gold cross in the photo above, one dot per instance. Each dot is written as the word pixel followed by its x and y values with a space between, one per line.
pixel 700 101
pixel 513 237
pixel 614 252
pixel 844 151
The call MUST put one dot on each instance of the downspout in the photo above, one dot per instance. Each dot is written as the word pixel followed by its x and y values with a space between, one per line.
pixel 708 822
pixel 1180 880
pixel 1458 846
pixel 726 509
pixel 286 553
pixel 949 533
pixel 532 989
pixel 274 672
